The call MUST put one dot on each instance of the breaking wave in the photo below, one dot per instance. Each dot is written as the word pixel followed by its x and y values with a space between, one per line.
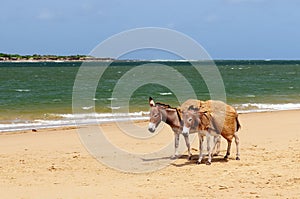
pixel 260 107
pixel 60 120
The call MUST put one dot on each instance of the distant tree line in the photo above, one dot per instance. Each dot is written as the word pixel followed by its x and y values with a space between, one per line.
pixel 4 56
pixel 16 57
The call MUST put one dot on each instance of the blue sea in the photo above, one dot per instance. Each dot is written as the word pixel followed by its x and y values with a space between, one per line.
pixel 39 94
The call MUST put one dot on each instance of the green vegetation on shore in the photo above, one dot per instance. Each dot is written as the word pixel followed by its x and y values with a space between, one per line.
pixel 36 57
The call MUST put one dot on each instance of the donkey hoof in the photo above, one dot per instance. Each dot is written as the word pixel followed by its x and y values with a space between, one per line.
pixel 237 158
pixel 226 157
pixel 208 163
pixel 174 157
pixel 190 157
pixel 198 162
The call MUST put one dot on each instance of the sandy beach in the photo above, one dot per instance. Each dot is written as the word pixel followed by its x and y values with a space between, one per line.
pixel 53 163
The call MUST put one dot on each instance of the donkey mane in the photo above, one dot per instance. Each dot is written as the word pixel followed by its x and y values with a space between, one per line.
pixel 163 104
pixel 168 106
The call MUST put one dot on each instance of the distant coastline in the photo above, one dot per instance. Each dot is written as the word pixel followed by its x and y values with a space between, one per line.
pixel 83 58
pixel 48 58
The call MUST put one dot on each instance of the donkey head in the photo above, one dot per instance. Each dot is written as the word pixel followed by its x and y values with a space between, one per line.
pixel 190 119
pixel 155 115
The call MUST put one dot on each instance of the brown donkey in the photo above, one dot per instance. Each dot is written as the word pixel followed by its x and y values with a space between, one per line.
pixel 211 119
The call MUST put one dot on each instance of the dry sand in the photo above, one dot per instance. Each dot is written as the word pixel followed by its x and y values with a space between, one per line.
pixel 52 163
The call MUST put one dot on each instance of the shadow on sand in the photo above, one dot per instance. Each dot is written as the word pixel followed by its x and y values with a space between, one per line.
pixel 165 158
pixel 194 159
pixel 155 159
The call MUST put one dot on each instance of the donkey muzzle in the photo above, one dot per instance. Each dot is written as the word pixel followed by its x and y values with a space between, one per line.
pixel 151 127
pixel 185 130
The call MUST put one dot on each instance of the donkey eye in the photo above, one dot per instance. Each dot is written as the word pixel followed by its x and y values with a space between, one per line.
pixel 156 115
pixel 190 119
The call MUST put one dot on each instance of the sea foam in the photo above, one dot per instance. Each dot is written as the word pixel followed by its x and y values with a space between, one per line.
pixel 261 107
pixel 73 120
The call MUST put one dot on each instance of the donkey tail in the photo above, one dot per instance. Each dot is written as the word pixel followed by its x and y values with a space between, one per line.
pixel 238 124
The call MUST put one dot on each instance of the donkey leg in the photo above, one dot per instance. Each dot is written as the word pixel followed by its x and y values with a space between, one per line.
pixel 218 144
pixel 210 146
pixel 200 148
pixel 217 140
pixel 237 143
pixel 176 136
pixel 188 145
pixel 228 149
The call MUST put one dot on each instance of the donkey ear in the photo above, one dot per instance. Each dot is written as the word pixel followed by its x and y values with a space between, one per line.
pixel 151 101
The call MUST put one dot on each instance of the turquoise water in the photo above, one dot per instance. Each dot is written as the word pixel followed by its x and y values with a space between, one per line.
pixel 41 93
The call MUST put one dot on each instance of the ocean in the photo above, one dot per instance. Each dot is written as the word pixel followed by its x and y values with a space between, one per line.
pixel 39 94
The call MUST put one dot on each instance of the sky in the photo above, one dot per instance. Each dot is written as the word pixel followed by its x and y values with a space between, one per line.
pixel 227 29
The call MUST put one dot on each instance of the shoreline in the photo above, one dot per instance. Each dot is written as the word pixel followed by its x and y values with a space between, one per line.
pixel 142 119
